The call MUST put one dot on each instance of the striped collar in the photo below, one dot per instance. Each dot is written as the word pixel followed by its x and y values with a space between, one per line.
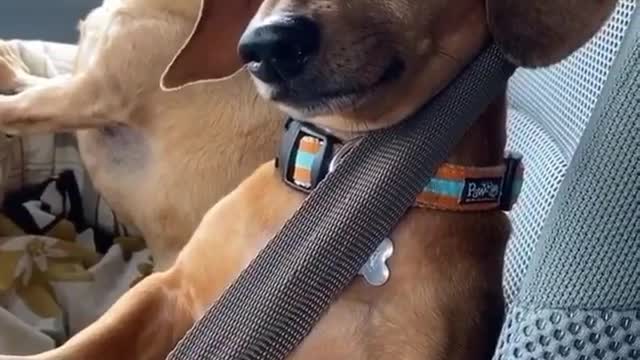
pixel 307 155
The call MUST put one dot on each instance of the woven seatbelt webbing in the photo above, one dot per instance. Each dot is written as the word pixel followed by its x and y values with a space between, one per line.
pixel 278 299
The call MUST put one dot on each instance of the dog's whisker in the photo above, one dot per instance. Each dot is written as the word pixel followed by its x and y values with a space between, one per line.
pixel 366 36
pixel 443 53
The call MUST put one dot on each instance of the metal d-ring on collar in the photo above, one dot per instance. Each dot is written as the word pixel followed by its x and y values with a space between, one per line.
pixel 331 152
pixel 376 272
pixel 294 131
pixel 342 152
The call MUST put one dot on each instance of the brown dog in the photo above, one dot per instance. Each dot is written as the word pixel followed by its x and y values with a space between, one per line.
pixel 160 159
pixel 361 64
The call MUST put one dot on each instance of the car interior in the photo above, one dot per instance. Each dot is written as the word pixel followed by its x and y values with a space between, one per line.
pixel 572 267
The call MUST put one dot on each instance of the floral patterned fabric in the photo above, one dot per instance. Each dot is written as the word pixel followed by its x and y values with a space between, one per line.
pixel 64 257
pixel 53 275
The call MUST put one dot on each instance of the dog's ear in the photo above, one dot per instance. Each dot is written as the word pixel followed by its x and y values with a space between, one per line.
pixel 210 52
pixel 542 32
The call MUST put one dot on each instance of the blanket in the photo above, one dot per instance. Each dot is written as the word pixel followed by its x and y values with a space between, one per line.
pixel 64 257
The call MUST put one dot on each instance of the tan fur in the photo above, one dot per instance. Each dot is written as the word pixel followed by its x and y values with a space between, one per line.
pixel 365 36
pixel 160 159
pixel 444 297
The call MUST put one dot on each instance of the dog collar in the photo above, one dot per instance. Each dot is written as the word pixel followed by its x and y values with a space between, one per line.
pixel 307 154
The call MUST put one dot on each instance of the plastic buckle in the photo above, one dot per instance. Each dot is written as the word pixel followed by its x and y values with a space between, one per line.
pixel 285 162
pixel 513 160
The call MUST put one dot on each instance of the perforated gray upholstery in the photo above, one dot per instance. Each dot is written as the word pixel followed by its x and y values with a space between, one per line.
pixel 549 110
pixel 579 334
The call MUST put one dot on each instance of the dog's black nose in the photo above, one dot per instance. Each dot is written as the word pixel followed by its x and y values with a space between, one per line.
pixel 278 52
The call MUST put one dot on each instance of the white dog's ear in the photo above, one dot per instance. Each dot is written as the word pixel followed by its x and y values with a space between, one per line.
pixel 542 32
pixel 210 53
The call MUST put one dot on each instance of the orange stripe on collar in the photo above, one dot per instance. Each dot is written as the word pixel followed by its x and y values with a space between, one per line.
pixel 466 188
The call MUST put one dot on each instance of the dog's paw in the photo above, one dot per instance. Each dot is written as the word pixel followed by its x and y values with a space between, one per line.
pixel 11 118
pixel 12 68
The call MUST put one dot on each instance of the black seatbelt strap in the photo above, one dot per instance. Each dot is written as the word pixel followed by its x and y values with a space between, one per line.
pixel 280 296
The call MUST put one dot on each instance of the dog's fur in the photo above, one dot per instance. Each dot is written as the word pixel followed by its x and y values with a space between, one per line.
pixel 444 298
pixel 161 159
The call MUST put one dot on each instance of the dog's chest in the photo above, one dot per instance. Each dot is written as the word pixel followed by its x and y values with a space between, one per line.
pixel 118 149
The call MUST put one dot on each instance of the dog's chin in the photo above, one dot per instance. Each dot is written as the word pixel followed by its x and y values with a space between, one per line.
pixel 313 102
pixel 325 104
pixel 310 103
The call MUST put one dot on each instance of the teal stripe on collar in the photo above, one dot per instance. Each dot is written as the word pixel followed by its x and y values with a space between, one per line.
pixel 451 188
pixel 305 159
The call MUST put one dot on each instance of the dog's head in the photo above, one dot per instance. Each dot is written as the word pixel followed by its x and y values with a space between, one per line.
pixel 370 63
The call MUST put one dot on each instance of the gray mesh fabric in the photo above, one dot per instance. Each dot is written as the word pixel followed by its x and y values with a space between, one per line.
pixel 581 297
pixel 549 110
pixel 589 254
pixel 284 291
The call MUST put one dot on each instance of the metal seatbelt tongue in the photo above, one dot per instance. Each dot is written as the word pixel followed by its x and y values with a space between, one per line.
pixel 274 304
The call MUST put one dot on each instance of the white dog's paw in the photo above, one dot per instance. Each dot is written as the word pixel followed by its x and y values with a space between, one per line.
pixel 12 69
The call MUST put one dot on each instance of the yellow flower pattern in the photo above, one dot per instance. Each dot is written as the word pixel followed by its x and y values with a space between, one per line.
pixel 29 263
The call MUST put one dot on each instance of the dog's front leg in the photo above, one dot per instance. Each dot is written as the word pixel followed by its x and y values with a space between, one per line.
pixel 33 103
pixel 60 104
pixel 145 324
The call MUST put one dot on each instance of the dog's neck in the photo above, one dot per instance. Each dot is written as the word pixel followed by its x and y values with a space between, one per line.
pixel 484 143
pixel 477 176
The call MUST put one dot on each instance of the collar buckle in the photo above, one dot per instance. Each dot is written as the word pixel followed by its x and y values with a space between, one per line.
pixel 286 161
pixel 510 185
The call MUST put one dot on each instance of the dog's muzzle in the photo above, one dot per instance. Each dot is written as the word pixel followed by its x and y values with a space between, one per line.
pixel 278 51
